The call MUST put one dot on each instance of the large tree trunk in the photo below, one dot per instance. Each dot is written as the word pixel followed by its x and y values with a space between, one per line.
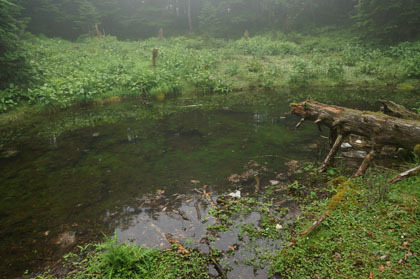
pixel 377 127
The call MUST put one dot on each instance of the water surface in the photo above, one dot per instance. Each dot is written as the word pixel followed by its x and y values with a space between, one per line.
pixel 89 171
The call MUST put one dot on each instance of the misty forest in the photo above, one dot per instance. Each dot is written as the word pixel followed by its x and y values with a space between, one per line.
pixel 209 139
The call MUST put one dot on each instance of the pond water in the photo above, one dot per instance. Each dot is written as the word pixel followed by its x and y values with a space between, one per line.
pixel 68 178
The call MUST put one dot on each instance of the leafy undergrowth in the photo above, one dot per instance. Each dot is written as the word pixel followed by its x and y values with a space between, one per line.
pixel 373 233
pixel 93 70
pixel 113 260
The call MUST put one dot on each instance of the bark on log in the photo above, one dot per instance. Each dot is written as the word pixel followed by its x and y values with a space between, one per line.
pixel 396 110
pixel 377 127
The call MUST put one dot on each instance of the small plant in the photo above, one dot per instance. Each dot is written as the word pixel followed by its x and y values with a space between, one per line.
pixel 300 73
pixel 335 69
pixel 254 66
pixel 233 69
pixel 125 261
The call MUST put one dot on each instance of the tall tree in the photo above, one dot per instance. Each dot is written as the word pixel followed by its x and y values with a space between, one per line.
pixel 388 20
pixel 13 63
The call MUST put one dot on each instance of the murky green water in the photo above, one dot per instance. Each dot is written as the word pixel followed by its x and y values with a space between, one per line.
pixel 88 171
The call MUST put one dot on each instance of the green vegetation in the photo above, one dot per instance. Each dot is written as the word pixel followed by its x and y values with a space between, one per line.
pixel 375 229
pixel 96 69
pixel 124 261
pixel 13 56
pixel 55 55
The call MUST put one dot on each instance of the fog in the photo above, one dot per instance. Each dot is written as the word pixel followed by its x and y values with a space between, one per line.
pixel 139 19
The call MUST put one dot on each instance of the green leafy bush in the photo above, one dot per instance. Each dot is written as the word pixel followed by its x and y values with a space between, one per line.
pixel 125 261
pixel 301 72
pixel 335 69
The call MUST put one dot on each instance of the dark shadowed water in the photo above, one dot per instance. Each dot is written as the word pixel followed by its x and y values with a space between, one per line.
pixel 65 179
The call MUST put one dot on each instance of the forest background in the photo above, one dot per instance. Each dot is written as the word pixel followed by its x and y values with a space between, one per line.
pixel 377 38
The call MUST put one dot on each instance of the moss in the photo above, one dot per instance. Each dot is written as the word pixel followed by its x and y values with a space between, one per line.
pixel 337 180
pixel 416 150
pixel 338 198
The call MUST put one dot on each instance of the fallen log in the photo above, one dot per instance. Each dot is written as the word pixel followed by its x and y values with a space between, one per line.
pixel 377 127
pixel 396 110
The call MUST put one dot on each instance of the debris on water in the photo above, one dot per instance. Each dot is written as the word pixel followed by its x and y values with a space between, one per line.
pixel 274 182
pixel 8 153
pixel 355 154
pixel 311 146
pixel 95 135
pixel 253 170
pixel 182 214
pixel 235 178
pixel 293 167
pixel 281 177
pixel 66 239
pixel 236 194
pixel 195 182
pixel 346 145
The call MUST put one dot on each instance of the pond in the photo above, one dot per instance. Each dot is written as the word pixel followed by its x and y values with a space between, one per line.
pixel 68 178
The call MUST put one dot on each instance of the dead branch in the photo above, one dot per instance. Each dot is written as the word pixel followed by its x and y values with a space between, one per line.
pixel 406 174
pixel 208 197
pixel 182 214
pixel 315 224
pixel 197 208
pixel 217 266
pixel 173 241
pixel 366 162
pixel 336 146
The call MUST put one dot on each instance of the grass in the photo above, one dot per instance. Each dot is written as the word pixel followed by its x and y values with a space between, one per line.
pixel 126 261
pixel 374 231
pixel 68 73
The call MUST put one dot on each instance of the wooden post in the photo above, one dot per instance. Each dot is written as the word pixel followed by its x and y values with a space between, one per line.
pixel 155 56
pixel 246 35
pixel 98 33
pixel 160 34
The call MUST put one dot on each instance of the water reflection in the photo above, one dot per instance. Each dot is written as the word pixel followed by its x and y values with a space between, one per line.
pixel 104 177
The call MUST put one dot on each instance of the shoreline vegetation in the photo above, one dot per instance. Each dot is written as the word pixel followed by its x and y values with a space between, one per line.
pixel 94 70
pixel 371 231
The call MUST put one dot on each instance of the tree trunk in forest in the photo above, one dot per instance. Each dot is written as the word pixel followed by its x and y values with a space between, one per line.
pixel 246 35
pixel 189 15
pixel 160 34
pixel 377 127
